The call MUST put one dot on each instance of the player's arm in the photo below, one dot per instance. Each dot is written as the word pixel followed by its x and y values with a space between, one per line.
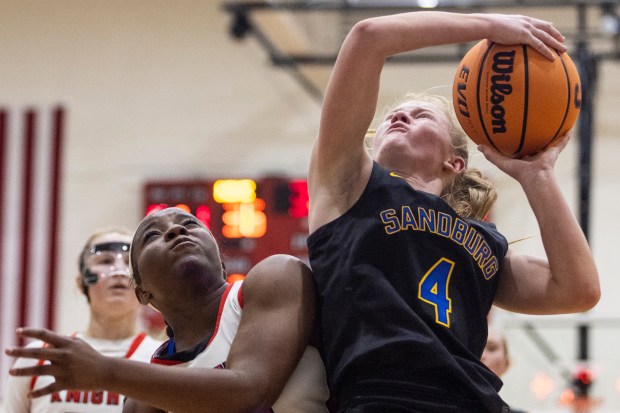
pixel 567 281
pixel 339 166
pixel 278 320
pixel 276 324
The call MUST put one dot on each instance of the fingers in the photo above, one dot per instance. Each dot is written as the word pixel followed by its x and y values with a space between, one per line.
pixel 539 34
pixel 546 38
pixel 38 370
pixel 554 150
pixel 44 335
pixel 496 158
pixel 563 141
pixel 44 391
pixel 42 370
pixel 554 35
pixel 39 353
pixel 489 153
pixel 47 369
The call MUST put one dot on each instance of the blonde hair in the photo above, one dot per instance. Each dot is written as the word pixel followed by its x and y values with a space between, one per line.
pixel 470 193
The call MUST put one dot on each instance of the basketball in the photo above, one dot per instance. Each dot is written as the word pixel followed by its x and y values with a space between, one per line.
pixel 514 99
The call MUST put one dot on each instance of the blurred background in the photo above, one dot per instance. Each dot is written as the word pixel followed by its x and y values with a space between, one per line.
pixel 110 109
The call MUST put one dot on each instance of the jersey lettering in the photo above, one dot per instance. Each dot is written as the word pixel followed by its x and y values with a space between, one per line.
pixel 445 225
pixel 86 397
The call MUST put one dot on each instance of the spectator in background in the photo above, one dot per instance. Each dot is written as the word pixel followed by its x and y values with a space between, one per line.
pixel 112 330
pixel 496 357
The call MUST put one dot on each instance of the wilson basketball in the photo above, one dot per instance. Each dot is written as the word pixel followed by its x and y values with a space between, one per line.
pixel 514 99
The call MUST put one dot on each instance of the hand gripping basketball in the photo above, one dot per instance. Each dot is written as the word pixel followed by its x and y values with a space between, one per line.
pixel 514 99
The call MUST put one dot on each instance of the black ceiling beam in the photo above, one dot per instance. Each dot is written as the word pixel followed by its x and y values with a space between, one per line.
pixel 242 24
pixel 399 6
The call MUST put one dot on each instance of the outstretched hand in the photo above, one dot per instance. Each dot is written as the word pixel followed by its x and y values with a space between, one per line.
pixel 72 362
pixel 539 34
pixel 525 169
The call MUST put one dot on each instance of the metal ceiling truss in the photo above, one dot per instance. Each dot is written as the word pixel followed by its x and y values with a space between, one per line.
pixel 594 27
pixel 580 31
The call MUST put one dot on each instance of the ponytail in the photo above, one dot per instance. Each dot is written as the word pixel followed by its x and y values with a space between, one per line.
pixel 471 194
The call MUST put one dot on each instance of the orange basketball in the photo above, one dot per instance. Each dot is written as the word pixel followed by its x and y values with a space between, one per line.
pixel 514 99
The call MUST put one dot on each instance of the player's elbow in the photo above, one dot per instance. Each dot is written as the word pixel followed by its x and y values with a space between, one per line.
pixel 584 296
pixel 366 37
pixel 590 295
pixel 255 394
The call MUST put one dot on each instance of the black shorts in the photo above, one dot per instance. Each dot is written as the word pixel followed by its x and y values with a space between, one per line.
pixel 387 404
pixel 398 397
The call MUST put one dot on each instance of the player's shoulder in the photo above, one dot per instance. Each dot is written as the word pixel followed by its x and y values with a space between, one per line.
pixel 143 347
pixel 150 342
pixel 275 275
pixel 278 265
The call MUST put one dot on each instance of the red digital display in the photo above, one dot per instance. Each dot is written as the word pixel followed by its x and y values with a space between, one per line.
pixel 250 219
pixel 299 199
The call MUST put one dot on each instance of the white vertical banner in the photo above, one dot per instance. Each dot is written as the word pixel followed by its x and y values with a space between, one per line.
pixel 30 176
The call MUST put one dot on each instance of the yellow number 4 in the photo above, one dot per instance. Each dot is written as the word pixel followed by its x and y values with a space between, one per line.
pixel 433 289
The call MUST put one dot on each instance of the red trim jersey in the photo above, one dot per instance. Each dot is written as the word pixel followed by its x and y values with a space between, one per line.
pixel 138 348
pixel 305 392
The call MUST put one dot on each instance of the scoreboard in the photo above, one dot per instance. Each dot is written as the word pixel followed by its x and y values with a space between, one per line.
pixel 250 219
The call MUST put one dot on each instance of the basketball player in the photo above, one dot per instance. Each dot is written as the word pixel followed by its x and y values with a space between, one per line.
pixel 496 357
pixel 104 278
pixel 405 268
pixel 243 345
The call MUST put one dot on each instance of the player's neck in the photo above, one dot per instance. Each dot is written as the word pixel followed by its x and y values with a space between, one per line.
pixel 198 323
pixel 420 182
pixel 111 328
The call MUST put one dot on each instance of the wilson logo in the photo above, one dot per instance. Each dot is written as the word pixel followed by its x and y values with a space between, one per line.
pixel 503 65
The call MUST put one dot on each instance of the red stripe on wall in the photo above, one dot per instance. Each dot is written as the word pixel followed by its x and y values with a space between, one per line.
pixel 54 210
pixel 4 141
pixel 27 190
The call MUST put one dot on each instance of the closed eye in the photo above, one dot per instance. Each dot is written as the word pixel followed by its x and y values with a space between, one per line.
pixel 423 115
pixel 190 221
pixel 148 235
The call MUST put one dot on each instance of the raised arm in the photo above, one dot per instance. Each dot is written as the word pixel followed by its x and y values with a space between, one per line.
pixel 340 166
pixel 567 281
pixel 273 333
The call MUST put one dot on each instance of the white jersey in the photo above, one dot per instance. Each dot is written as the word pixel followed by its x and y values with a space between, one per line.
pixel 305 392
pixel 140 348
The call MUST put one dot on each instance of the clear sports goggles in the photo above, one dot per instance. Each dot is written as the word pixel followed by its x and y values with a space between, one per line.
pixel 107 259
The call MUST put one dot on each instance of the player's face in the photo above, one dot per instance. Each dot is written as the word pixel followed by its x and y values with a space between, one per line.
pixel 175 254
pixel 111 291
pixel 414 134
pixel 494 354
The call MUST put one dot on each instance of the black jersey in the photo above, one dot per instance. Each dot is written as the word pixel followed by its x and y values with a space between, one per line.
pixel 405 285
